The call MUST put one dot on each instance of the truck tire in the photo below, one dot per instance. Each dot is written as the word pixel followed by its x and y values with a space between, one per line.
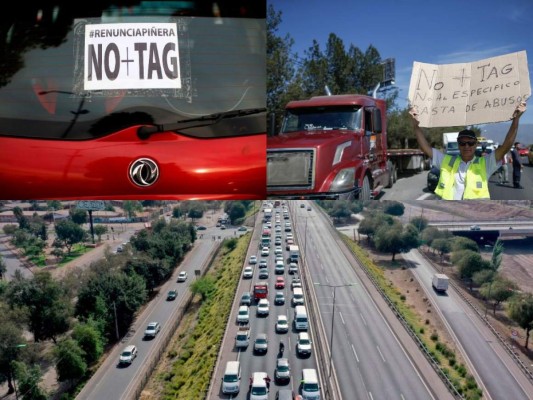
pixel 364 194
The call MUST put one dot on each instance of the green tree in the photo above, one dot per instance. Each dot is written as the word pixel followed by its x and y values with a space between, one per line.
pixel 236 211
pixel 153 271
pixel 396 239
pixel 3 267
pixel 429 234
pixel 196 210
pixel 471 263
pixel 372 222
pixel 28 378
pixel 483 276
pixel 100 230
pixel 442 246
pixel 45 302
pixel 393 208
pixel 78 216
pixel 520 310
pixel 69 233
pixel 54 205
pixel 279 64
pixel 176 212
pixel 21 219
pixel 10 339
pixel 498 291
pixel 341 209
pixel 421 223
pixel 132 207
pixel 463 243
pixel 70 362
pixel 106 291
pixel 90 340
pixel 204 286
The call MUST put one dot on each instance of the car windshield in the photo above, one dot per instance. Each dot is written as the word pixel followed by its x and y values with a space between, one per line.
pixel 85 72
pixel 259 390
pixel 322 118
pixel 310 387
pixel 126 354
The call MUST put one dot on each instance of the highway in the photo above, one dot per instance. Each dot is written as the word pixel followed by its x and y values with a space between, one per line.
pixel 499 376
pixel 368 360
pixel 114 382
pixel 251 362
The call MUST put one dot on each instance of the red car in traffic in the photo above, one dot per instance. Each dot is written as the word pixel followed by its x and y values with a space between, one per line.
pixel 280 282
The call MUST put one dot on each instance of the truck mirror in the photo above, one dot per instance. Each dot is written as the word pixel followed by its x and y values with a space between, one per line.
pixel 376 120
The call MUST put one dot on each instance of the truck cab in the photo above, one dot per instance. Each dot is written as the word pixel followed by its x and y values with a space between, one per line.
pixel 329 147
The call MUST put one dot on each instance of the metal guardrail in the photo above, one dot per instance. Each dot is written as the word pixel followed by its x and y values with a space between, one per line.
pixel 512 353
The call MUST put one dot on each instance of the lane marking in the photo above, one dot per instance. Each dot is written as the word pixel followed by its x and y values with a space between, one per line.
pixel 355 353
pixel 381 354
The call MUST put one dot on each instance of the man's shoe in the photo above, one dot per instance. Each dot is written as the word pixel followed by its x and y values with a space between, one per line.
pixel 519 187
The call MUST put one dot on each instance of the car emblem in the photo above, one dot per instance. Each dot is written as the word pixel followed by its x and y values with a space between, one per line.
pixel 144 172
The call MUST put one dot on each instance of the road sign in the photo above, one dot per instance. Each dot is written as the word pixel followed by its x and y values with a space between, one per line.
pixel 93 205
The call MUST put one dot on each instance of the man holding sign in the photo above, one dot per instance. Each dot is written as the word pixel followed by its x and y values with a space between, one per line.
pixel 490 90
pixel 466 176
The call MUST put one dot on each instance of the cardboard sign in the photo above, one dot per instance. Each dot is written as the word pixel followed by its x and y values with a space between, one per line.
pixel 131 56
pixel 469 93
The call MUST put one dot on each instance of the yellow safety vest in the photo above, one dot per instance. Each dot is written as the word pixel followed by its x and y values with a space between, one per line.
pixel 476 182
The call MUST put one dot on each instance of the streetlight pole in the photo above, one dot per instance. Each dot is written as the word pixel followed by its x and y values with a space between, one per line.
pixel 332 321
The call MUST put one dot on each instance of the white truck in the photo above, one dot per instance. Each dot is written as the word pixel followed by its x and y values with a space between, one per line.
pixel 242 339
pixel 449 139
pixel 440 282
pixel 294 253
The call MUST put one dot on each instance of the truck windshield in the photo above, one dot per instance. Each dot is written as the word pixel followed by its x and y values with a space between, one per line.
pixel 322 118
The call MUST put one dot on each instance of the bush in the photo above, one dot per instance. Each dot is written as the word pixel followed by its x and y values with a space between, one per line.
pixel 434 336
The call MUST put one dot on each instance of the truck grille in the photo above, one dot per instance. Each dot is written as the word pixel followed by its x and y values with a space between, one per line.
pixel 290 169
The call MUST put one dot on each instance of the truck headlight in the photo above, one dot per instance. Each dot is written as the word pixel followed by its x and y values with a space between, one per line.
pixel 344 180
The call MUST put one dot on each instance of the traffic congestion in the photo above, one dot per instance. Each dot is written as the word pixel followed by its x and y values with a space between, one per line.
pixel 271 354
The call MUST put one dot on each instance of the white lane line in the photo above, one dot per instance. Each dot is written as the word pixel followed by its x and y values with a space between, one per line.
pixel 401 396
pixel 370 396
pixel 363 318
pixel 355 353
pixel 381 354
pixel 340 314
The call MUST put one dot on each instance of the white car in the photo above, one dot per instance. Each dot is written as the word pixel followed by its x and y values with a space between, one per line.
pixel 128 355
pixel 282 324
pixel 278 250
pixel 303 344
pixel 265 251
pixel 182 277
pixel 293 268
pixel 253 260
pixel 263 263
pixel 248 273
pixel 152 329
pixel 263 307
pixel 243 317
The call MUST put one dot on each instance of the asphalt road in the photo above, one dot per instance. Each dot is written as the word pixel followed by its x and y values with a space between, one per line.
pixel 499 376
pixel 112 381
pixel 251 362
pixel 368 361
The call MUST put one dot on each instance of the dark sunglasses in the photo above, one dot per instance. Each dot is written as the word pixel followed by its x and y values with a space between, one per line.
pixel 469 144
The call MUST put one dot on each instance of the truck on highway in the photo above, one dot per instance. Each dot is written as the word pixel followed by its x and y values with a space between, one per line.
pixel 440 282
pixel 294 253
pixel 449 140
pixel 330 147
pixel 260 291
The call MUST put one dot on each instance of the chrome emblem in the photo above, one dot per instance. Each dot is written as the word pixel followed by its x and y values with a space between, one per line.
pixel 144 172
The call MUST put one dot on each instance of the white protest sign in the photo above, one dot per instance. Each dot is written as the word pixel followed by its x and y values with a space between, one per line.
pixel 469 93
pixel 131 56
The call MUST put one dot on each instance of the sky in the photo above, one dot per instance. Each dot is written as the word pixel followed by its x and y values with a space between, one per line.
pixel 427 31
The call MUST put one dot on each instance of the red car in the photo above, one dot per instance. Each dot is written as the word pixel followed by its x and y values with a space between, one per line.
pixel 141 105
pixel 280 282
pixel 523 151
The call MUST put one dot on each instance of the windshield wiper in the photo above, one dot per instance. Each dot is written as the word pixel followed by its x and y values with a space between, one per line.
pixel 145 131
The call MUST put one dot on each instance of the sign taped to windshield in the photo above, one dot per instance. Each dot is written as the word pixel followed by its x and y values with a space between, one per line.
pixel 131 56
